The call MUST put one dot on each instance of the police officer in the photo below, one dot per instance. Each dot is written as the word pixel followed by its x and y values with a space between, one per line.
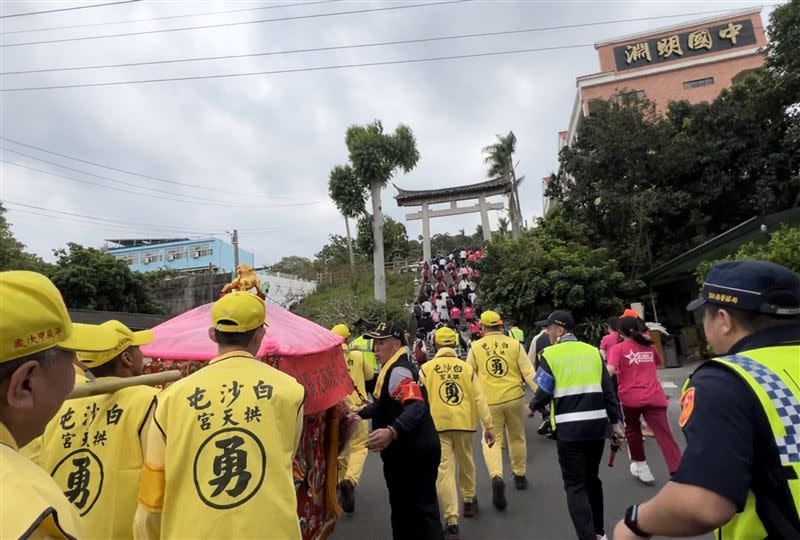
pixel 740 415
pixel 404 433
pixel 575 383
pixel 456 401
pixel 37 344
pixel 503 369
pixel 219 455
pixel 351 460
pixel 113 428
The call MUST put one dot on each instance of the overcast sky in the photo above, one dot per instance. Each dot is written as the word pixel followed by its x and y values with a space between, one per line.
pixel 263 145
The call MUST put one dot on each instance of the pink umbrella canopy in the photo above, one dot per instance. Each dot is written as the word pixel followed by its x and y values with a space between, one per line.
pixel 185 337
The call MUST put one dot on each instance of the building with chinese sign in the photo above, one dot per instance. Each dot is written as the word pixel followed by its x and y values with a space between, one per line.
pixel 692 61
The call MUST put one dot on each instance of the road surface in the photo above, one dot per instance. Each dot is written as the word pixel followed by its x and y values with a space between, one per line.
pixel 538 513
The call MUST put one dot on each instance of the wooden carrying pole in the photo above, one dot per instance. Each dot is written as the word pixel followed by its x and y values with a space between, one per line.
pixel 94 388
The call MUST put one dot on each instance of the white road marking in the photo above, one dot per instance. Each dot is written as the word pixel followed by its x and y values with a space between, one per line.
pixel 668 385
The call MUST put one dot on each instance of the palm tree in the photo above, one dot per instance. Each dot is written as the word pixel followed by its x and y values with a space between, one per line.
pixel 500 158
pixel 349 197
pixel 374 157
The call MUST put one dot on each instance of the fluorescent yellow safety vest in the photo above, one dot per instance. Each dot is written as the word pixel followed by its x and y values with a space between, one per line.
pixel 498 371
pixel 354 360
pixel 230 431
pixel 772 374
pixel 32 503
pixel 93 451
pixel 517 333
pixel 451 393
pixel 365 345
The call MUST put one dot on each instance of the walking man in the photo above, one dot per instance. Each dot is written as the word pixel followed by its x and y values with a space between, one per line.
pixel 404 434
pixel 456 401
pixel 574 381
pixel 503 369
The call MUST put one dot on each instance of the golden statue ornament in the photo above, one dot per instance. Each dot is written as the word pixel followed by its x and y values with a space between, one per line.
pixel 246 280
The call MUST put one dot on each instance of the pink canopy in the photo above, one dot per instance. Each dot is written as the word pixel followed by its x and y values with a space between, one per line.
pixel 185 337
pixel 303 349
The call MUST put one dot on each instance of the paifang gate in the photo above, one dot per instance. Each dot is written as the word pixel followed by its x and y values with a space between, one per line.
pixel 425 198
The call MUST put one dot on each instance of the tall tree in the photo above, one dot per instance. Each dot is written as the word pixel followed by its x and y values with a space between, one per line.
pixel 395 237
pixel 299 266
pixel 500 158
pixel 349 196
pixel 375 157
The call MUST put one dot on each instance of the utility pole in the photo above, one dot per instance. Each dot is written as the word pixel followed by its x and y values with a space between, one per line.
pixel 235 242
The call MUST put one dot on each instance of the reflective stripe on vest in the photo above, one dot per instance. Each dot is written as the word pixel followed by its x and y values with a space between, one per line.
pixel 578 371
pixel 762 370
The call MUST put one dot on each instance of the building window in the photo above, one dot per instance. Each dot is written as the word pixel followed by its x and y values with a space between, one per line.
pixel 150 257
pixel 129 258
pixel 708 81
pixel 627 97
pixel 202 250
pixel 173 254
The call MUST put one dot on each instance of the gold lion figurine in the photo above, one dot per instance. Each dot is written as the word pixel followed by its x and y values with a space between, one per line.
pixel 246 279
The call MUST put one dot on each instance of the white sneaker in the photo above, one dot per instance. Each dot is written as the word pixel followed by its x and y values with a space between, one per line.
pixel 640 470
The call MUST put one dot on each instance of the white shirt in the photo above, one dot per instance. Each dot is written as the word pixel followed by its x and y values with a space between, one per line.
pixel 463 286
pixel 463 255
pixel 427 307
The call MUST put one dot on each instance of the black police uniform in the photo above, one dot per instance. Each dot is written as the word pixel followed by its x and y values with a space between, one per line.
pixel 411 462
pixel 730 448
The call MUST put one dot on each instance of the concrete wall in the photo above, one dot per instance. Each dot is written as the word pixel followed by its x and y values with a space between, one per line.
pixel 186 292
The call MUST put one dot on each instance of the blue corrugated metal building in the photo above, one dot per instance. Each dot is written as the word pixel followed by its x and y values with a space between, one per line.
pixel 185 254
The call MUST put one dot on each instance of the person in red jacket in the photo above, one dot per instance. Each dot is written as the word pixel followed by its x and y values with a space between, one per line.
pixel 634 362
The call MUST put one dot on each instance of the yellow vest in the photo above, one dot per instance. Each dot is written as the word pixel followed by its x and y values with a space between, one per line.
pixel 366 346
pixel 231 432
pixel 32 505
pixel 451 394
pixel 495 358
pixel 772 374
pixel 93 451
pixel 354 360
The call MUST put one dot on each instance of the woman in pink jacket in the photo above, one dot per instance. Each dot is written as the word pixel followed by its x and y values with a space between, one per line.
pixel 634 362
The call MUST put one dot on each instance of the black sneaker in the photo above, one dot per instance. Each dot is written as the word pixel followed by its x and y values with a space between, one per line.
pixel 499 493
pixel 451 532
pixel 471 508
pixel 520 482
pixel 545 428
pixel 347 496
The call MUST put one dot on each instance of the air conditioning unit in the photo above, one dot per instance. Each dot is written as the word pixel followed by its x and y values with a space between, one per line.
pixel 146 260
pixel 196 254
pixel 170 257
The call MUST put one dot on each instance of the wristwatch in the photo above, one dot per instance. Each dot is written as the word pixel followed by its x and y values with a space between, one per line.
pixel 632 521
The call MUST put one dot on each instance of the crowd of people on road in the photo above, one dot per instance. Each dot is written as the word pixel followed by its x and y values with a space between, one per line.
pixel 182 463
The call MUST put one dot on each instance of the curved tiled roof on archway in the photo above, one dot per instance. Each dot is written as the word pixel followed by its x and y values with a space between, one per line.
pixel 495 186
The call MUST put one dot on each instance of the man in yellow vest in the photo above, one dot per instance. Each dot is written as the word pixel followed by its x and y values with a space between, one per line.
pixel 352 458
pixel 454 395
pixel 503 368
pixel 100 440
pixel 218 462
pixel 37 344
pixel 516 332
pixel 365 344
pixel 740 414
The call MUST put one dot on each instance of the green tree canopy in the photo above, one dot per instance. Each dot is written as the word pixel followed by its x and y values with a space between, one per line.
pixel 333 254
pixel 12 252
pixel 89 278
pixel 299 266
pixel 395 237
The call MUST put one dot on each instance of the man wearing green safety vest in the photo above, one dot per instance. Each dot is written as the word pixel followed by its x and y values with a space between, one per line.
pixel 365 345
pixel 740 415
pixel 516 332
pixel 583 406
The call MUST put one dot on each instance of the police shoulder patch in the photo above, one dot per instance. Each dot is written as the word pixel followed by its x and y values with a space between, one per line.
pixel 687 406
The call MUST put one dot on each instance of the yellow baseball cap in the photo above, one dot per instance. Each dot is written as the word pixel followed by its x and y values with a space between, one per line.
pixel 238 312
pixel 34 318
pixel 125 338
pixel 445 337
pixel 491 318
pixel 341 330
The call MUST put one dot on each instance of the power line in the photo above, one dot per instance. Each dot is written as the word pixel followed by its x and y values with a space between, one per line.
pixel 224 25
pixel 362 45
pixel 200 201
pixel 67 9
pixel 299 70
pixel 125 171
pixel 207 13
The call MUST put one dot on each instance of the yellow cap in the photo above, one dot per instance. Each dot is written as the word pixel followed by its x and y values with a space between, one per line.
pixel 125 338
pixel 238 312
pixel 445 337
pixel 341 330
pixel 34 318
pixel 491 318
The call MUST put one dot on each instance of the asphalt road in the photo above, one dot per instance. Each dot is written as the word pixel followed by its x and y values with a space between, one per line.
pixel 538 513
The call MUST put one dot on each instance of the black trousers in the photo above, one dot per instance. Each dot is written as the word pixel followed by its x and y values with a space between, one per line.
pixel 580 468
pixel 411 479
